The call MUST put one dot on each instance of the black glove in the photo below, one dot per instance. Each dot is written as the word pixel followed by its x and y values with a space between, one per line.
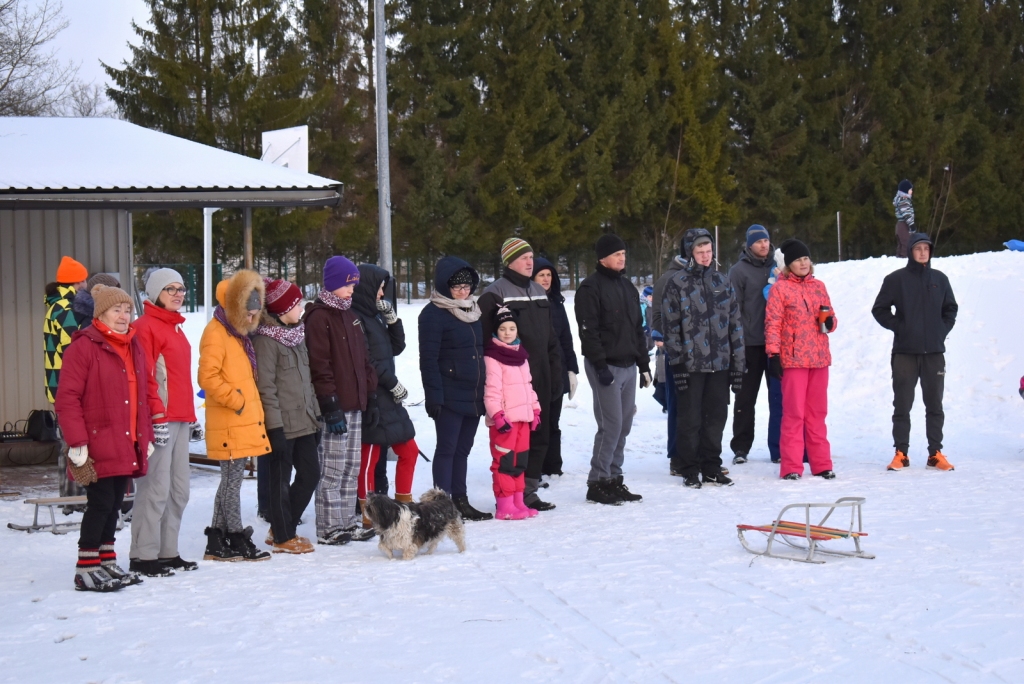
pixel 605 377
pixel 736 379
pixel 278 442
pixel 681 380
pixel 371 416
pixel 775 367
pixel 336 423
pixel 434 411
pixel 830 322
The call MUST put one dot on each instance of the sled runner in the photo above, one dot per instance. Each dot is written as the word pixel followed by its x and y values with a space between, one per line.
pixel 791 533
pixel 59 502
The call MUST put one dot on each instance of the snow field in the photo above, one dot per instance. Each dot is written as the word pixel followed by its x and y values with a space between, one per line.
pixel 656 591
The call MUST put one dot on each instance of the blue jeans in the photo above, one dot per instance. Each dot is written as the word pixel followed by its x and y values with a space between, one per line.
pixel 774 418
pixel 670 406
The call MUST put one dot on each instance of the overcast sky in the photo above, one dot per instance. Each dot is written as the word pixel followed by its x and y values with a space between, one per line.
pixel 99 30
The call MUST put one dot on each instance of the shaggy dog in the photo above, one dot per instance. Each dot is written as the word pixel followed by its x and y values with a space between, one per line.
pixel 409 527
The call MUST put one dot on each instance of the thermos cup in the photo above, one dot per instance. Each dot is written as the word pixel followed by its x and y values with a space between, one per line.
pixel 823 313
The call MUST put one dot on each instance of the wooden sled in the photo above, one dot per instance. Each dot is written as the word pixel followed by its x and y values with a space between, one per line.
pixel 55 527
pixel 812 534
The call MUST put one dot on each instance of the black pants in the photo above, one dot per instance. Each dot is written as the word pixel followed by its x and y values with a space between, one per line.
pixel 455 436
pixel 907 369
pixel 380 473
pixel 99 522
pixel 540 440
pixel 286 499
pixel 746 400
pixel 701 411
pixel 553 461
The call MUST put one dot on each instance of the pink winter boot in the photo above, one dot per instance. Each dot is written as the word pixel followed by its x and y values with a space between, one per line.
pixel 517 499
pixel 506 509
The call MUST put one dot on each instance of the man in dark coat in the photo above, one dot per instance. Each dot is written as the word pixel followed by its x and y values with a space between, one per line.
pixel 749 276
pixel 925 313
pixel 704 347
pixel 614 352
pixel 529 302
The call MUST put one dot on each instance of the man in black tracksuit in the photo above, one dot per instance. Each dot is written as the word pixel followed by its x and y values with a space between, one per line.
pixel 614 350
pixel 925 313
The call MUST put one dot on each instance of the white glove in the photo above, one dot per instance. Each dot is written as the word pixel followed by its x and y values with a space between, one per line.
pixel 645 380
pixel 78 455
pixel 196 434
pixel 387 311
pixel 572 385
pixel 161 434
pixel 399 392
pixel 150 449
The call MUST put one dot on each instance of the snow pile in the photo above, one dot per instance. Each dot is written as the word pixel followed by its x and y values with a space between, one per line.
pixel 659 590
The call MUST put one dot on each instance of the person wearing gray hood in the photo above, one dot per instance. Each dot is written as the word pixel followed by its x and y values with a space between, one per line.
pixel 749 276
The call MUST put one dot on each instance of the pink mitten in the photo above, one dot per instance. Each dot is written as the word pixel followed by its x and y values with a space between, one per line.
pixel 500 424
pixel 536 420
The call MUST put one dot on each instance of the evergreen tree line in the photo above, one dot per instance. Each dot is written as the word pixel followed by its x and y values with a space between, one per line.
pixel 559 120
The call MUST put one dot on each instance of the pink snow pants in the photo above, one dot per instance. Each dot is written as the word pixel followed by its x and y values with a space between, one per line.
pixel 804 407
pixel 509 454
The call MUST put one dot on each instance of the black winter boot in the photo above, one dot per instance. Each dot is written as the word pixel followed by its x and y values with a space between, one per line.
pixel 622 491
pixel 241 542
pixel 468 512
pixel 532 500
pixel 217 548
pixel 603 492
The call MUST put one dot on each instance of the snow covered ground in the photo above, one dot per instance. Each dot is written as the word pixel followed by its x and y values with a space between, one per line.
pixel 656 591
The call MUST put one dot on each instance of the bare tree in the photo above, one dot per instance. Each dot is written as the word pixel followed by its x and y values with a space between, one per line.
pixel 33 81
pixel 88 99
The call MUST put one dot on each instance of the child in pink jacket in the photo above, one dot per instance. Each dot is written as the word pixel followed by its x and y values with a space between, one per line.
pixel 512 413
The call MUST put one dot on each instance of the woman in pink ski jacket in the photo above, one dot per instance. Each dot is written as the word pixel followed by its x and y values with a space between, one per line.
pixel 798 319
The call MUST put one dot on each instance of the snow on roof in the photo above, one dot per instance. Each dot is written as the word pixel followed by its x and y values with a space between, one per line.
pixel 49 153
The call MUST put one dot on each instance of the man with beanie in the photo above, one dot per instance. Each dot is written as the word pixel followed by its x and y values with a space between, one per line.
pixel 903 207
pixel 925 314
pixel 749 276
pixel 516 290
pixel 705 354
pixel 665 375
pixel 614 351
pixel 61 322
pixel 346 385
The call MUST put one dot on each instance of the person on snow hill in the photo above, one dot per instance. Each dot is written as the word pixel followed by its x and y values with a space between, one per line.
pixel 903 207
pixel 513 412
pixel 798 319
pixel 385 336
pixel 546 275
pixel 292 414
pixel 84 304
pixel 161 496
pixel 235 428
pixel 61 322
pixel 532 307
pixel 452 371
pixel 705 355
pixel 749 276
pixel 664 374
pixel 614 356
pixel 345 383
pixel 106 404
pixel 925 314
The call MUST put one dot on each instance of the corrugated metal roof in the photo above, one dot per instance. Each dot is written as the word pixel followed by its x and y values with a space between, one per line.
pixel 67 154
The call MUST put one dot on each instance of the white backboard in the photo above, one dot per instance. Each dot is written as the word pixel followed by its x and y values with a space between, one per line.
pixel 288 147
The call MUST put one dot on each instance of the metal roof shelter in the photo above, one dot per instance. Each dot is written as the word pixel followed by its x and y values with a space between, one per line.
pixel 68 186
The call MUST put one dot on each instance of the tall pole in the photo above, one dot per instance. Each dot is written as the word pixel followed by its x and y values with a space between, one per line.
pixel 383 158
pixel 247 236
pixel 208 262
pixel 839 239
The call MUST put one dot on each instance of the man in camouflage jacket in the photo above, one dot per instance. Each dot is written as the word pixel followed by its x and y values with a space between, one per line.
pixel 705 355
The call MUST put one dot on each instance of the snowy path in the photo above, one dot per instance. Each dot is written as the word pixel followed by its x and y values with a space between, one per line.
pixel 657 592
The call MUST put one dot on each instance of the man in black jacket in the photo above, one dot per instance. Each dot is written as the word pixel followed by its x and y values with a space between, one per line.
pixel 925 313
pixel 612 341
pixel 529 301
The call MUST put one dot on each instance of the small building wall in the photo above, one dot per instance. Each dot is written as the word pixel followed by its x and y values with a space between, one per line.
pixel 32 243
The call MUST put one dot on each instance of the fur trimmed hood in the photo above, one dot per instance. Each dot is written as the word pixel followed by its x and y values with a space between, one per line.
pixel 240 286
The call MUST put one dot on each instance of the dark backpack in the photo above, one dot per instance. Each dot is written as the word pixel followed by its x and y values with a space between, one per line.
pixel 42 426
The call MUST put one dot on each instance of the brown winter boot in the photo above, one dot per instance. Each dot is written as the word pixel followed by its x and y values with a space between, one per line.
pixel 899 461
pixel 293 545
pixel 404 498
pixel 367 523
pixel 939 462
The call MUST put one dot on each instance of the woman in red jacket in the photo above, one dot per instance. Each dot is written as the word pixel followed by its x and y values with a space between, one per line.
pixel 161 496
pixel 107 397
pixel 798 319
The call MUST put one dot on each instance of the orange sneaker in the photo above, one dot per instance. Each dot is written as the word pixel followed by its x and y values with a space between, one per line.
pixel 939 462
pixel 294 545
pixel 899 461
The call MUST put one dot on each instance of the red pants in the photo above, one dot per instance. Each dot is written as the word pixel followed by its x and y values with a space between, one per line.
pixel 406 468
pixel 509 454
pixel 804 407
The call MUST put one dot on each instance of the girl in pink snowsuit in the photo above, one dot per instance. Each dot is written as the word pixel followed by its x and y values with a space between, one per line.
pixel 798 319
pixel 513 411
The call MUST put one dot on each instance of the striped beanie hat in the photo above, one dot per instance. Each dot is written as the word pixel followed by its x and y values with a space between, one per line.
pixel 513 249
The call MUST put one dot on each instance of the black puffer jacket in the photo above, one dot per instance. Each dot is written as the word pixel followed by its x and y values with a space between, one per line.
pixel 451 351
pixel 384 343
pixel 560 321
pixel 925 307
pixel 749 276
pixel 610 324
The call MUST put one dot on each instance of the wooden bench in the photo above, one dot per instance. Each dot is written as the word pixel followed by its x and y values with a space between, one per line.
pixel 813 534
pixel 59 502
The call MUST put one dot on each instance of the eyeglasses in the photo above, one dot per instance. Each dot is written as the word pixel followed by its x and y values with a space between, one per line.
pixel 175 290
pixel 461 288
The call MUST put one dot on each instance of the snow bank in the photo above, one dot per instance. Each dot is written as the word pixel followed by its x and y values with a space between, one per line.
pixel 657 591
